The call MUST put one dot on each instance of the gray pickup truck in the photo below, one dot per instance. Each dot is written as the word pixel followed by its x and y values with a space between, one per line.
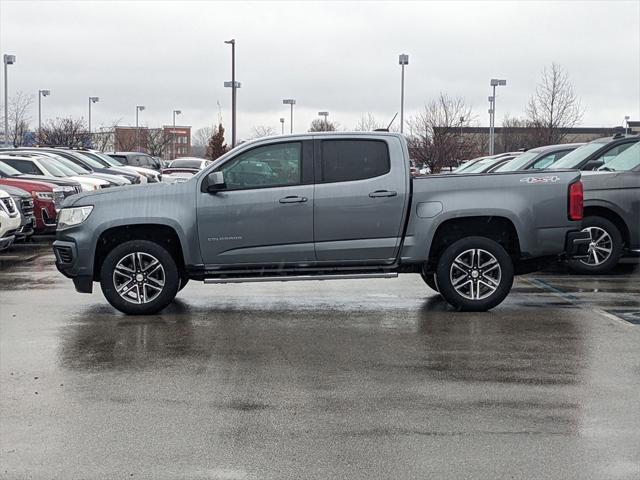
pixel 319 207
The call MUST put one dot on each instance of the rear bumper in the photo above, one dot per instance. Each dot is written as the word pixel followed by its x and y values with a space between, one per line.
pixel 577 244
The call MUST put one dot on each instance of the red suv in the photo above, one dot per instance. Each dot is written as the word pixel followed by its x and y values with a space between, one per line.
pixel 46 201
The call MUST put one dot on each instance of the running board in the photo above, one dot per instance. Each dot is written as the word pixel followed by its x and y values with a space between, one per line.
pixel 295 278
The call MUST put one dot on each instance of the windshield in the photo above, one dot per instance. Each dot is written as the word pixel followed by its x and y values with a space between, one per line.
pixel 106 159
pixel 573 159
pixel 8 170
pixel 627 160
pixel 518 162
pixel 54 165
pixel 468 164
pixel 479 166
pixel 52 169
pixel 186 164
pixel 77 169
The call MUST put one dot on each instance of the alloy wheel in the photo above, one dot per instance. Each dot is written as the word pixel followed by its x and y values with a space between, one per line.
pixel 600 247
pixel 475 274
pixel 139 277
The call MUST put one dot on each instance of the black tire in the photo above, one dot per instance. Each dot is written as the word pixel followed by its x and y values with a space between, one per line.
pixel 430 280
pixel 160 297
pixel 184 279
pixel 597 266
pixel 491 283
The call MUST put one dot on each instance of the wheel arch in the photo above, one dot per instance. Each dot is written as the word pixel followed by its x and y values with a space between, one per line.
pixel 161 234
pixel 604 211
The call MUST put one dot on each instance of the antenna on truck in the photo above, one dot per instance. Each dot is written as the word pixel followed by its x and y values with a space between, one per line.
pixel 388 126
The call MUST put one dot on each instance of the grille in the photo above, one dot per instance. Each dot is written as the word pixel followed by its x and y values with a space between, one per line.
pixel 78 189
pixel 26 204
pixel 9 205
pixel 64 254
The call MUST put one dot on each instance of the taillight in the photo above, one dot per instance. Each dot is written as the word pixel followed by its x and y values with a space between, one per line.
pixel 576 201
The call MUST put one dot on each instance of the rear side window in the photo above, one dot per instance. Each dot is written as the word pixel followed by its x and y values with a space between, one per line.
pixel 613 152
pixel 347 160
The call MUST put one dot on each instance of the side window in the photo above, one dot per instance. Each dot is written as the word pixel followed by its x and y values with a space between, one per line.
pixel 347 160
pixel 612 152
pixel 24 166
pixel 262 167
pixel 142 161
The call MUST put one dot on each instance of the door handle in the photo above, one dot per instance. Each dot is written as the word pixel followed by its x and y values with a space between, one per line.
pixel 383 193
pixel 293 199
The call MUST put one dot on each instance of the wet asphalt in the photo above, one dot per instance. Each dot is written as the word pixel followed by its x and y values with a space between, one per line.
pixel 343 379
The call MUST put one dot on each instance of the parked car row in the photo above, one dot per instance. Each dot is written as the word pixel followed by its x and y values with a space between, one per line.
pixel 611 179
pixel 38 179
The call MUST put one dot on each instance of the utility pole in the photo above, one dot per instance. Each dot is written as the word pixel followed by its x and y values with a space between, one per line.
pixel 232 42
pixel 403 60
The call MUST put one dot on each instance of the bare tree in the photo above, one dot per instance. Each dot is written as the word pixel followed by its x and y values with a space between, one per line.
pixel 516 133
pixel 554 107
pixel 105 138
pixel 323 125
pixel 64 132
pixel 157 141
pixel 260 131
pixel 19 107
pixel 202 136
pixel 367 123
pixel 435 138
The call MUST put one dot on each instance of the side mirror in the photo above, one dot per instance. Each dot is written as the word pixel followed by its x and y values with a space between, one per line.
pixel 215 182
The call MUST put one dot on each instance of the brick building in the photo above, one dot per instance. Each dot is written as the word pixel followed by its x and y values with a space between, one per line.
pixel 178 137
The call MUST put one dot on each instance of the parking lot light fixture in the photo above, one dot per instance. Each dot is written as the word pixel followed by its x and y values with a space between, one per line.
pixel 41 93
pixel 92 100
pixel 7 60
pixel 282 124
pixel 403 60
pixel 291 102
pixel 325 115
pixel 139 108
pixel 173 132
pixel 495 82
pixel 234 87
pixel 626 124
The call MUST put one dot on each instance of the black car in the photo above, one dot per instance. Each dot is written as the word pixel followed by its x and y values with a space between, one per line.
pixel 538 158
pixel 597 153
pixel 24 202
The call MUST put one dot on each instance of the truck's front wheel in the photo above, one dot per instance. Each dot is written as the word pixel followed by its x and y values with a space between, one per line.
pixel 139 277
pixel 475 274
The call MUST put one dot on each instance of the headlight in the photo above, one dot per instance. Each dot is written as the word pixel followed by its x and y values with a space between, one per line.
pixel 70 217
pixel 68 189
pixel 43 195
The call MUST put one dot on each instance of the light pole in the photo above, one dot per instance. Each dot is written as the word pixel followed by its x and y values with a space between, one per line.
pixel 326 123
pixel 41 93
pixel 175 112
pixel 233 86
pixel 139 108
pixel 626 124
pixel 282 123
pixel 403 60
pixel 492 112
pixel 291 102
pixel 7 60
pixel 91 100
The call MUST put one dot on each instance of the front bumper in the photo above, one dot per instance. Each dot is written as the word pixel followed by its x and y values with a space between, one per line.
pixel 577 244
pixel 66 253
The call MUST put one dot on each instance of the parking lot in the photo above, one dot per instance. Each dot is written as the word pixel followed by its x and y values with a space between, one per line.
pixel 367 379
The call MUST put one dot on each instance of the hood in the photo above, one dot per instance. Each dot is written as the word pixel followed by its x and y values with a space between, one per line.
pixel 28 185
pixel 120 194
pixel 42 178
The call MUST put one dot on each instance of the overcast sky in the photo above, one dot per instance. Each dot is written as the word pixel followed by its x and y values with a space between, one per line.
pixel 340 57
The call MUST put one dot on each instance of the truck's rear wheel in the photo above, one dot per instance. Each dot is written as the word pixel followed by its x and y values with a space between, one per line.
pixel 605 248
pixel 139 277
pixel 475 274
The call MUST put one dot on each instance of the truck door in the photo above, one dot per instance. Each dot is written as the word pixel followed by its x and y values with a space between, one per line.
pixel 360 199
pixel 265 214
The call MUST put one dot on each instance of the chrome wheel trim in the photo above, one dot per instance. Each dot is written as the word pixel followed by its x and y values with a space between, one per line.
pixel 139 278
pixel 475 274
pixel 600 247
